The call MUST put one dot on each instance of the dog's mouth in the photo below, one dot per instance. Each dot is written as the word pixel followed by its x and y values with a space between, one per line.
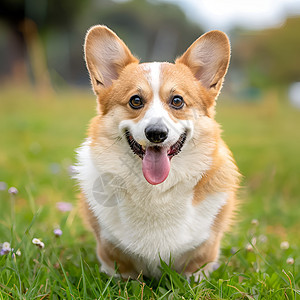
pixel 155 159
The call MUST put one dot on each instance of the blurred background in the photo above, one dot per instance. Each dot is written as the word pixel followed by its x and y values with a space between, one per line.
pixel 41 42
pixel 46 100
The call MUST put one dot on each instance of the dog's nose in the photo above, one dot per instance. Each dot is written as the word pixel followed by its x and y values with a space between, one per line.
pixel 156 133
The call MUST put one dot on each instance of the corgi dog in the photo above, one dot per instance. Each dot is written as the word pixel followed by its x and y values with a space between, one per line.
pixel 157 181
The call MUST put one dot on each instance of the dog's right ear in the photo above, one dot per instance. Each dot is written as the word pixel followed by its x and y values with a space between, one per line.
pixel 105 55
pixel 208 59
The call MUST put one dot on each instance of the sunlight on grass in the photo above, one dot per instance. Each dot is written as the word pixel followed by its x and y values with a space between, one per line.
pixel 38 140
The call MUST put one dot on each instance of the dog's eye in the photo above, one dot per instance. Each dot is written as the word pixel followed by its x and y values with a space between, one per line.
pixel 177 102
pixel 136 102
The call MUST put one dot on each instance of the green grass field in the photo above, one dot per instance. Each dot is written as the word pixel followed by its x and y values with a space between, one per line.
pixel 38 138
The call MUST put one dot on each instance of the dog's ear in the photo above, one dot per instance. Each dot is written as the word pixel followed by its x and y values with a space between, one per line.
pixel 105 55
pixel 208 58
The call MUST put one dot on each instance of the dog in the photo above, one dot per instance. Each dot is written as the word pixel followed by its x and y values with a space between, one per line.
pixel 157 181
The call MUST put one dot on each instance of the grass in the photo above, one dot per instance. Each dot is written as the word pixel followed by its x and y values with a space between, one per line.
pixel 38 138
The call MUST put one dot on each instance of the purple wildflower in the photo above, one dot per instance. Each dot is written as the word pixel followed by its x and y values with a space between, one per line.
pixel 64 206
pixel 5 248
pixel 57 232
pixel 13 191
pixel 18 253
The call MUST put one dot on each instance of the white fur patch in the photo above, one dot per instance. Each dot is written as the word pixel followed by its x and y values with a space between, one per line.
pixel 147 222
pixel 154 78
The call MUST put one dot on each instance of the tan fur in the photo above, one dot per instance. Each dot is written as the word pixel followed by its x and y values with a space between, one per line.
pixel 88 216
pixel 111 255
pixel 223 174
pixel 200 96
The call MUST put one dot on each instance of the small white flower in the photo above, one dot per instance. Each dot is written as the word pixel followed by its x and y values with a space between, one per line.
pixel 36 241
pixel 6 246
pixel 18 252
pixel 290 261
pixel 285 245
pixel 249 247
pixel 254 222
pixel 253 241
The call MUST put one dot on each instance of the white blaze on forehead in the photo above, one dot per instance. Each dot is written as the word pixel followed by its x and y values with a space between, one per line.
pixel 155 111
pixel 154 76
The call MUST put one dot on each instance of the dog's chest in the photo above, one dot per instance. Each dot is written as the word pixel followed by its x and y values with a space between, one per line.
pixel 160 225
pixel 145 222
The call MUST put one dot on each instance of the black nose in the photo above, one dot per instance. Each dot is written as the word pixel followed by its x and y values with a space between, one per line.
pixel 156 133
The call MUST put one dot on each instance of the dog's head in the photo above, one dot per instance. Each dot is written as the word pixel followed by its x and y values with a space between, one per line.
pixel 157 108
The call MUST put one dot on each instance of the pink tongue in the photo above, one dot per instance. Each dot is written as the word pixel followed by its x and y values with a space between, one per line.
pixel 156 165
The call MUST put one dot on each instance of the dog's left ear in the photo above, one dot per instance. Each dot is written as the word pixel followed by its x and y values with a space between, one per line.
pixel 106 55
pixel 208 59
